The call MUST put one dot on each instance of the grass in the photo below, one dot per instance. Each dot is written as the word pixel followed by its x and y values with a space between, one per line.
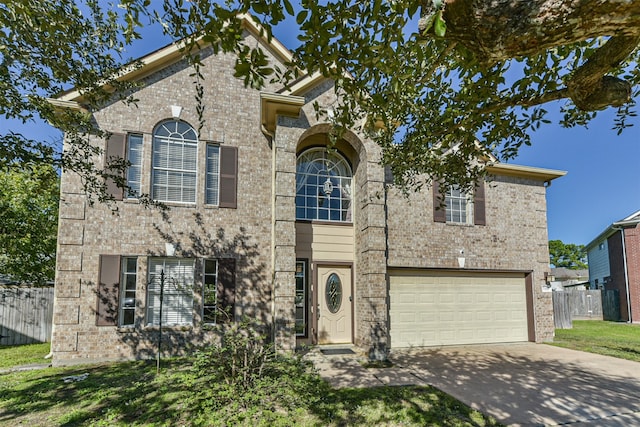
pixel 11 356
pixel 131 393
pixel 615 339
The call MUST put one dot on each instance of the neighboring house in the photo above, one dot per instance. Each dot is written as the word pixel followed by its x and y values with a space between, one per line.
pixel 267 224
pixel 566 278
pixel 614 264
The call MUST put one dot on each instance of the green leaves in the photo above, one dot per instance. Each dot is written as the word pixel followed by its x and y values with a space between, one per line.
pixel 567 255
pixel 431 103
pixel 439 26
pixel 28 223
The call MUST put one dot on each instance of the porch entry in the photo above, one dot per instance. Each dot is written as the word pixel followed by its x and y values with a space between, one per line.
pixel 335 304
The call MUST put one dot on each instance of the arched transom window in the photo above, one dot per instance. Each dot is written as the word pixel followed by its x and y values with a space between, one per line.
pixel 323 186
pixel 175 153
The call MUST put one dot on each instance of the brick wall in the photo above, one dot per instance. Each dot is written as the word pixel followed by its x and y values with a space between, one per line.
pixel 513 239
pixel 86 232
pixel 632 246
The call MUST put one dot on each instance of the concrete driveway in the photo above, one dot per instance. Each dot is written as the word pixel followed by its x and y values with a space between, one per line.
pixel 522 384
pixel 533 384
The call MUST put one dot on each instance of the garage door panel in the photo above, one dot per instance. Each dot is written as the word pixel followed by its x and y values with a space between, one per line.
pixel 432 309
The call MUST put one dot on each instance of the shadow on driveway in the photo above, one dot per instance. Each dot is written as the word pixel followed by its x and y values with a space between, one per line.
pixel 532 384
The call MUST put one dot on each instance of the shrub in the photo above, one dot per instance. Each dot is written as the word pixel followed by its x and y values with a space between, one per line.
pixel 243 379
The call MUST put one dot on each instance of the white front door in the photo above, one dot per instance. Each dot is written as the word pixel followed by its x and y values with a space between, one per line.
pixel 334 305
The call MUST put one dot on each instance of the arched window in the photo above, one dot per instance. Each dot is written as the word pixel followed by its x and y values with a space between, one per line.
pixel 323 186
pixel 175 153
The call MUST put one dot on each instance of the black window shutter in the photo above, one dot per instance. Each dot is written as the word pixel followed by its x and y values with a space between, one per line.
pixel 115 149
pixel 439 213
pixel 228 176
pixel 479 216
pixel 226 289
pixel 108 291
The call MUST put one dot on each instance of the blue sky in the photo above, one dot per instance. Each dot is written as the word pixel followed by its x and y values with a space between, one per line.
pixel 602 184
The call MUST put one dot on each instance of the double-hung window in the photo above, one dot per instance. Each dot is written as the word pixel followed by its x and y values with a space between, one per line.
pixel 134 170
pixel 459 206
pixel 129 270
pixel 210 291
pixel 212 190
pixel 174 279
pixel 175 153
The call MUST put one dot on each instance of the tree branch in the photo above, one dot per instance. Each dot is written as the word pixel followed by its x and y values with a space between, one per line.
pixel 590 89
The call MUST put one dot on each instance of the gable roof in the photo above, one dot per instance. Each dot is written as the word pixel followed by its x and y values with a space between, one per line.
pixel 173 53
pixel 629 221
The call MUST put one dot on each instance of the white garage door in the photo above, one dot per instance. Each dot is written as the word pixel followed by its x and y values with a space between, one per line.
pixel 435 308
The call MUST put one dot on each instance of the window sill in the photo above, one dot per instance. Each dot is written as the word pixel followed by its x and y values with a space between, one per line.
pixel 168 328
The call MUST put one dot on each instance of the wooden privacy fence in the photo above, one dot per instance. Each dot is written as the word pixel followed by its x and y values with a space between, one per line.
pixel 611 305
pixel 25 314
pixel 570 305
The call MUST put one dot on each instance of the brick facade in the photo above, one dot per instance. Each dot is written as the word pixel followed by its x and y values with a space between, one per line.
pixel 513 239
pixel 260 233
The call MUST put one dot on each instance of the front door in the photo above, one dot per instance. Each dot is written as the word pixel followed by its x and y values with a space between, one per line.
pixel 334 305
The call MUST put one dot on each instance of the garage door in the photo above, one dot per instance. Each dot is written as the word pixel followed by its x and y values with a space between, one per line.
pixel 436 308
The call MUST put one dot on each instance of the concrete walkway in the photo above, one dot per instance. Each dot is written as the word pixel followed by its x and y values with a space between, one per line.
pixel 522 384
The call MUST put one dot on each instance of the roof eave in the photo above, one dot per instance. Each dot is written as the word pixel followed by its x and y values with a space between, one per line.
pixel 540 174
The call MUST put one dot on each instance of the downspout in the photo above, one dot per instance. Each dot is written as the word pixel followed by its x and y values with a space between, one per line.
pixel 626 273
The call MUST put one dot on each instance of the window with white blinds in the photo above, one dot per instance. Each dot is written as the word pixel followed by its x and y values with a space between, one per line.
pixel 134 171
pixel 177 301
pixel 212 192
pixel 175 151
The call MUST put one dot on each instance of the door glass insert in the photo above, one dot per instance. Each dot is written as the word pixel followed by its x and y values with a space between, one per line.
pixel 333 293
pixel 301 298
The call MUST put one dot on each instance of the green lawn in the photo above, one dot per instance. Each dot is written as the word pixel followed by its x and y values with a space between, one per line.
pixel 23 354
pixel 286 393
pixel 615 339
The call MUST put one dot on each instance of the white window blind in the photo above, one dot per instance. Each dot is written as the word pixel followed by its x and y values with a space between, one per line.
pixel 134 171
pixel 177 303
pixel 213 175
pixel 175 153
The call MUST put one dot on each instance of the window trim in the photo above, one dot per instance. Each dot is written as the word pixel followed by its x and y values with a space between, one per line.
pixel 213 291
pixel 464 206
pixel 134 193
pixel 124 273
pixel 215 174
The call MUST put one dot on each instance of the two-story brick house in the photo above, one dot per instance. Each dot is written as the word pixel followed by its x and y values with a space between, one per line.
pixel 265 222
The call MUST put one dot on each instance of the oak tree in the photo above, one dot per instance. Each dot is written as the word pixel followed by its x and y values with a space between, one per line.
pixel 441 85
